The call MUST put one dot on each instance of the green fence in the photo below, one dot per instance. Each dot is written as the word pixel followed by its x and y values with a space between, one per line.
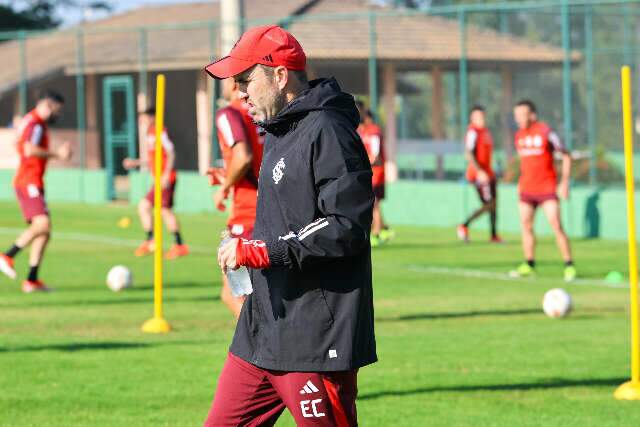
pixel 581 46
pixel 576 88
pixel 64 185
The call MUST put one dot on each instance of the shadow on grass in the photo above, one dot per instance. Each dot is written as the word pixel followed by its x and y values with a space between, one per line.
pixel 135 288
pixel 551 383
pixel 116 301
pixel 430 245
pixel 94 346
pixel 78 346
pixel 463 314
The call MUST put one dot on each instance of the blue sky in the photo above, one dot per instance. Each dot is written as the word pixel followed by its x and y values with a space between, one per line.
pixel 120 6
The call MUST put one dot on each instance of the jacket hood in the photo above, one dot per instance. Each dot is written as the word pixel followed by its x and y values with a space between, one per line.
pixel 322 95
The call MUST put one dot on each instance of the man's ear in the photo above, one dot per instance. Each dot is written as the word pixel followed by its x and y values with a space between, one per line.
pixel 281 75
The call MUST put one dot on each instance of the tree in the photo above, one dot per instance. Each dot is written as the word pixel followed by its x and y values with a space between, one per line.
pixel 42 14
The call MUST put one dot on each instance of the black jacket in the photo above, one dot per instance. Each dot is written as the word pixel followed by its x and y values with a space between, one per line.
pixel 312 310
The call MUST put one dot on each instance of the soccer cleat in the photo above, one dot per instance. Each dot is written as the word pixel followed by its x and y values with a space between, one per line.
pixel 29 287
pixel 146 248
pixel 523 270
pixel 6 266
pixel 570 273
pixel 375 241
pixel 463 233
pixel 496 239
pixel 387 234
pixel 177 251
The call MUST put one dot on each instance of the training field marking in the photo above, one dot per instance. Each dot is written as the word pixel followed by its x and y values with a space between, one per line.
pixel 464 272
pixel 106 240
pixel 448 271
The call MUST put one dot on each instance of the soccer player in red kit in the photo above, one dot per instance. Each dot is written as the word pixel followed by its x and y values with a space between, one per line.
pixel 241 147
pixel 478 151
pixel 371 136
pixel 168 179
pixel 34 150
pixel 536 144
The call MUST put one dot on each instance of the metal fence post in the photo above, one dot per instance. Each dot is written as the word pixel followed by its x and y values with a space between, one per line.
pixel 566 91
pixel 464 90
pixel 80 105
pixel 627 35
pixel 591 113
pixel 373 64
pixel 464 83
pixel 503 22
pixel 142 77
pixel 215 149
pixel 22 89
pixel 566 74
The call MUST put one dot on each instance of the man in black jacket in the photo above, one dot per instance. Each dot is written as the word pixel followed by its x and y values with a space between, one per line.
pixel 308 325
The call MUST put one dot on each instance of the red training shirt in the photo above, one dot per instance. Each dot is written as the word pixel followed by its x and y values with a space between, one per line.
pixel 32 130
pixel 535 146
pixel 234 124
pixel 480 143
pixel 371 136
pixel 167 146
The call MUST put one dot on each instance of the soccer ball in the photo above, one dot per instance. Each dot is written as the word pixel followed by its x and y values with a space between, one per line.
pixel 119 277
pixel 556 303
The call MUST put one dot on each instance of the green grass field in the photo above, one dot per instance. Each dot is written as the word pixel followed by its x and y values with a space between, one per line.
pixel 459 344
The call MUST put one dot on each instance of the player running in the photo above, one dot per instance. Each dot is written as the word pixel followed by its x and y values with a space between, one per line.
pixel 241 148
pixel 371 136
pixel 478 150
pixel 168 178
pixel 34 151
pixel 536 144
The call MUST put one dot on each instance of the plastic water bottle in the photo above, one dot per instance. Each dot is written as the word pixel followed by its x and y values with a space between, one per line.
pixel 239 280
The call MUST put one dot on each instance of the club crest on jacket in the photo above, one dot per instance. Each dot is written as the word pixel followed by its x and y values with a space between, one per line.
pixel 278 170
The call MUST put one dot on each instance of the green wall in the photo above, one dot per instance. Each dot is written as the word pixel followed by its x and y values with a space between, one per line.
pixel 193 193
pixel 67 185
pixel 590 212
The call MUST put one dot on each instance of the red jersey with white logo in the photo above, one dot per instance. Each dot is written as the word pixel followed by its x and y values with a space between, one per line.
pixel 479 142
pixel 234 124
pixel 167 147
pixel 32 130
pixel 371 136
pixel 535 146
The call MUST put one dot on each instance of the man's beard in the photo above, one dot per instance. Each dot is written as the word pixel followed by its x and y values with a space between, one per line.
pixel 52 119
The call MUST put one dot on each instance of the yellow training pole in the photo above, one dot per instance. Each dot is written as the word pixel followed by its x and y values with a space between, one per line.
pixel 630 390
pixel 157 324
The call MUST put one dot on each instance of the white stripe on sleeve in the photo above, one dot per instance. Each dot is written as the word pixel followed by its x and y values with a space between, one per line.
pixel 555 140
pixel 167 144
pixel 374 145
pixel 471 139
pixel 313 230
pixel 308 226
pixel 36 135
pixel 225 128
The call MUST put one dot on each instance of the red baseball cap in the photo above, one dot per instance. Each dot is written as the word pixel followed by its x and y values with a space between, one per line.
pixel 268 45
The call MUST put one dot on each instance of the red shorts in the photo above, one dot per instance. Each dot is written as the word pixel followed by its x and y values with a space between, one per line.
pixel 486 191
pixel 252 396
pixel 240 231
pixel 378 191
pixel 378 181
pixel 32 202
pixel 167 196
pixel 536 200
